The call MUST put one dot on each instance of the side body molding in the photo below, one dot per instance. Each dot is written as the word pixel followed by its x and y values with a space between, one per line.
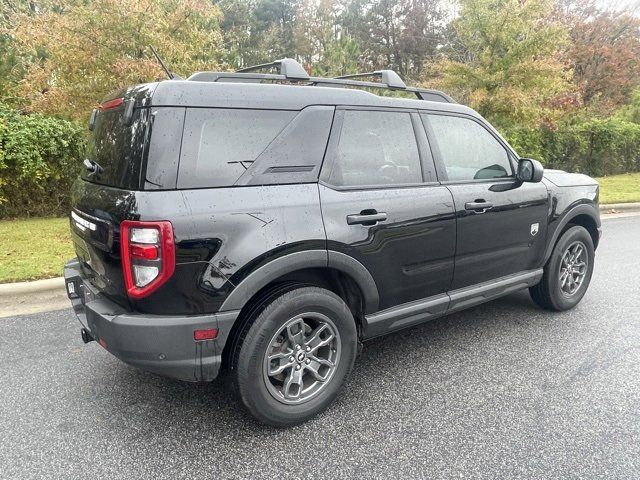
pixel 299 261
pixel 419 311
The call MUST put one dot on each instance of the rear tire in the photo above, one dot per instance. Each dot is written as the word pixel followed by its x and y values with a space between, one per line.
pixel 295 356
pixel 567 273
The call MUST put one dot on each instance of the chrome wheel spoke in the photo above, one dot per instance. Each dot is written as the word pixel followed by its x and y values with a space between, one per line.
pixel 321 361
pixel 577 252
pixel 314 371
pixel 280 355
pixel 281 366
pixel 294 384
pixel 295 332
pixel 316 341
pixel 315 335
pixel 563 278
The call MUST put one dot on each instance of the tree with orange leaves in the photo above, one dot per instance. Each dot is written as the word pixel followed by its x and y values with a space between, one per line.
pixel 73 55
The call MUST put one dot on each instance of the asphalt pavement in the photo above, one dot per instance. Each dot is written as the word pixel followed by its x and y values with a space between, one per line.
pixel 503 390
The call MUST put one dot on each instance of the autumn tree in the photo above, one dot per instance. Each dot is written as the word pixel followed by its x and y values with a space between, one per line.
pixel 604 52
pixel 396 34
pixel 256 31
pixel 238 33
pixel 276 20
pixel 75 54
pixel 10 66
pixel 341 56
pixel 321 41
pixel 507 65
pixel 317 25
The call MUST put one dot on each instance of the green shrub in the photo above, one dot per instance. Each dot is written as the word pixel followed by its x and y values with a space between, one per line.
pixel 526 141
pixel 39 159
pixel 631 112
pixel 595 147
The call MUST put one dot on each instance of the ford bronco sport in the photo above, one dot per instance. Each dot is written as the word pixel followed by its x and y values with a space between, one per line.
pixel 266 223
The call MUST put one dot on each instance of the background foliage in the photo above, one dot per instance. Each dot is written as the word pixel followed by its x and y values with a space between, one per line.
pixel 596 147
pixel 510 65
pixel 73 53
pixel 559 78
pixel 39 158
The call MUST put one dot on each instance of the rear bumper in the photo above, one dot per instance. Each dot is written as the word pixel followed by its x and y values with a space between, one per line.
pixel 156 343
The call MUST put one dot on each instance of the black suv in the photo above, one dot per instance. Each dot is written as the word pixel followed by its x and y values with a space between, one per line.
pixel 267 223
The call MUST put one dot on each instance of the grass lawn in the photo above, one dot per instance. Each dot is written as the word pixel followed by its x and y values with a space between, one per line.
pixel 620 188
pixel 33 249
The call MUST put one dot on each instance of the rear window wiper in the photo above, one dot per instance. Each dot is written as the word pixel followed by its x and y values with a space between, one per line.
pixel 92 167
pixel 241 162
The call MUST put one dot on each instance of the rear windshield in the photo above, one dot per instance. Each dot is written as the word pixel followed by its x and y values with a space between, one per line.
pixel 117 148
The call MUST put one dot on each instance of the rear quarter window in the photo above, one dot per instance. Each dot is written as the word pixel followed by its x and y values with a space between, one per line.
pixel 219 145
pixel 118 148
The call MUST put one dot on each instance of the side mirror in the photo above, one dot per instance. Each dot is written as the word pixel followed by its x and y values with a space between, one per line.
pixel 529 170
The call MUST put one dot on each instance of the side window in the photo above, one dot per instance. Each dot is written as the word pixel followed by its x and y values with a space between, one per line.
pixel 468 150
pixel 218 145
pixel 376 148
pixel 164 148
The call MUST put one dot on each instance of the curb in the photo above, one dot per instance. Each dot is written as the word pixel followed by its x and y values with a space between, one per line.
pixel 620 207
pixel 55 284
pixel 37 286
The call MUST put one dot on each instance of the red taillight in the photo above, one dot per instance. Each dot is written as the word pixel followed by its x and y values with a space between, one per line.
pixel 109 104
pixel 148 252
pixel 148 256
pixel 208 334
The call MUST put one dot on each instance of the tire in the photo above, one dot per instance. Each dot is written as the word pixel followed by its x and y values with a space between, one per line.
pixel 320 323
pixel 554 294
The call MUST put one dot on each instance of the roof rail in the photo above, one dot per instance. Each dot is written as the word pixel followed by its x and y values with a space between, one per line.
pixel 290 70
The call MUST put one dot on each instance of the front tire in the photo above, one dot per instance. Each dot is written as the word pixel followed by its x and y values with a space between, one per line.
pixel 295 356
pixel 567 273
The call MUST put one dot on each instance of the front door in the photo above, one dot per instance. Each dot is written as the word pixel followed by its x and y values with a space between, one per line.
pixel 501 223
pixel 382 206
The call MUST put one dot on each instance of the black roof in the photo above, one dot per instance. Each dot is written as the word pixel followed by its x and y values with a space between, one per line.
pixel 292 88
pixel 189 93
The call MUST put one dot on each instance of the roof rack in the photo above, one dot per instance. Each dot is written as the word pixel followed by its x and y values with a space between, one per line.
pixel 291 71
pixel 388 77
pixel 287 67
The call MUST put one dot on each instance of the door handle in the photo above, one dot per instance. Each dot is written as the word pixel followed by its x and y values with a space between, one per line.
pixel 478 206
pixel 366 217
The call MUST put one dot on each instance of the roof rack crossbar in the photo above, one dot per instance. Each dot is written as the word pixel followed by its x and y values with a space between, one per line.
pixel 388 81
pixel 287 67
pixel 387 77
pixel 431 95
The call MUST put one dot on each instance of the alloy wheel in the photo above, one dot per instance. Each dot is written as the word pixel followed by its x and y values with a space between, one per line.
pixel 301 358
pixel 573 268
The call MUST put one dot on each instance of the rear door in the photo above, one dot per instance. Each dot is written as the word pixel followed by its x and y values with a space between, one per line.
pixel 101 200
pixel 501 223
pixel 381 203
